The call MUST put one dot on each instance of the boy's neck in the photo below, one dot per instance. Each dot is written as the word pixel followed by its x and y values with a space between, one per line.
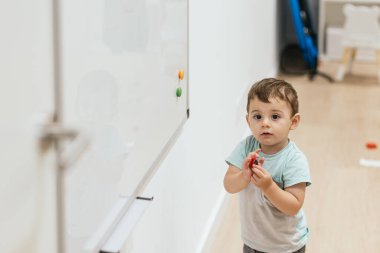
pixel 271 150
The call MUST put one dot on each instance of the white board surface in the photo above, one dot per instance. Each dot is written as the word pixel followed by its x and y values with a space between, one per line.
pixel 120 64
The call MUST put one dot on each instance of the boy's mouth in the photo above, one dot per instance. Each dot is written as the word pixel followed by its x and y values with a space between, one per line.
pixel 266 134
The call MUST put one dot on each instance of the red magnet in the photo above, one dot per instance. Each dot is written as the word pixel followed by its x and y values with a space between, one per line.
pixel 371 145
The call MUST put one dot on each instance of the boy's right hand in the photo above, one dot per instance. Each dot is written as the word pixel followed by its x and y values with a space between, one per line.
pixel 253 156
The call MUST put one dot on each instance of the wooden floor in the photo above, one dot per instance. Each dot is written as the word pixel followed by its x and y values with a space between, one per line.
pixel 343 203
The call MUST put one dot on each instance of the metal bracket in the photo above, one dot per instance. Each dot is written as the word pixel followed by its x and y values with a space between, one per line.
pixel 57 132
pixel 53 132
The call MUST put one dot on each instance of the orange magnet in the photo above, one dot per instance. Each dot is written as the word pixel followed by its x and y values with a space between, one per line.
pixel 181 74
pixel 371 145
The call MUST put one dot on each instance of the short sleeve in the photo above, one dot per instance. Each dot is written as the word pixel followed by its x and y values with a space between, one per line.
pixel 297 171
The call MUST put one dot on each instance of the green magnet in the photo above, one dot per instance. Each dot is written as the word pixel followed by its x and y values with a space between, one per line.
pixel 178 92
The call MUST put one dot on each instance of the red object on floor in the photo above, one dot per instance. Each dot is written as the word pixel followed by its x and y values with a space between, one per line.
pixel 371 145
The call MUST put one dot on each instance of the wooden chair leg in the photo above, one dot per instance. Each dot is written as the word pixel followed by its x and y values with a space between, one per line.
pixel 346 57
pixel 351 61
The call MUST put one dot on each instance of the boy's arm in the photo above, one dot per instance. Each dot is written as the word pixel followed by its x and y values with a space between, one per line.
pixel 288 201
pixel 235 179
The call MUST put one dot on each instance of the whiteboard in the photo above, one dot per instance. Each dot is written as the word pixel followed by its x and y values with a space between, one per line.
pixel 119 65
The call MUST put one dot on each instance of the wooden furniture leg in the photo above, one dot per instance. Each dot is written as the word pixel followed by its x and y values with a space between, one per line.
pixel 346 58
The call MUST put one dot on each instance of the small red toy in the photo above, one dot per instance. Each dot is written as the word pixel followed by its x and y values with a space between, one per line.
pixel 253 161
pixel 371 145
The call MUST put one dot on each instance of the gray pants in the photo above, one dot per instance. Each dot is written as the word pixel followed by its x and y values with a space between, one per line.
pixel 247 249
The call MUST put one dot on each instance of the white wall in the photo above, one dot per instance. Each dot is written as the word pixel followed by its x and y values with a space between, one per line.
pixel 232 44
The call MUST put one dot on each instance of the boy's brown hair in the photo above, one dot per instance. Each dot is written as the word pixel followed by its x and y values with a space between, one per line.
pixel 274 88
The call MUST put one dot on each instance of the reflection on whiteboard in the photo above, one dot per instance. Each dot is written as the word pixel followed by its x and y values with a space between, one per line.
pixel 120 63
pixel 101 166
pixel 97 97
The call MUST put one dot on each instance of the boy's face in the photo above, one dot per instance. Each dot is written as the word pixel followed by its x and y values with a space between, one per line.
pixel 270 123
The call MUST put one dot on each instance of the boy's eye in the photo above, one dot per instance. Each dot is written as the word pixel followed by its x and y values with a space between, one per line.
pixel 275 116
pixel 257 116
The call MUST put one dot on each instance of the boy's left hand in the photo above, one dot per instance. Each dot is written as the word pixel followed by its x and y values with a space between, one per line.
pixel 261 177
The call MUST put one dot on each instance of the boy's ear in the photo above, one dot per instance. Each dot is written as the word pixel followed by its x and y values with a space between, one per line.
pixel 246 118
pixel 295 121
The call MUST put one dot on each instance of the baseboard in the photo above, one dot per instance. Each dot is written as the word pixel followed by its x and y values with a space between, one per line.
pixel 214 222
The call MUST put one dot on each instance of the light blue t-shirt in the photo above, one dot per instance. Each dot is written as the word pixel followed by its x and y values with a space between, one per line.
pixel 263 226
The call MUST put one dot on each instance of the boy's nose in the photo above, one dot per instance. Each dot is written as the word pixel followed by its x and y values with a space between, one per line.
pixel 266 122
